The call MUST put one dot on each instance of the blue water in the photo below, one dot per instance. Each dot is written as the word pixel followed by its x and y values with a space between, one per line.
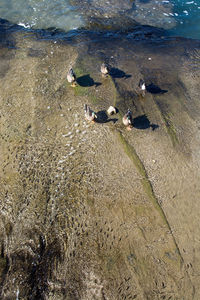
pixel 187 15
pixel 178 17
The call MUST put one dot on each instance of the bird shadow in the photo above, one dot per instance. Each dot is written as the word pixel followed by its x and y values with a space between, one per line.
pixel 103 118
pixel 117 73
pixel 155 89
pixel 142 122
pixel 86 81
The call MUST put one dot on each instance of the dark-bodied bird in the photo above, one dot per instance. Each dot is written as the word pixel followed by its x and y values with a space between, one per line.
pixel 90 115
pixel 128 120
pixel 105 69
pixel 71 77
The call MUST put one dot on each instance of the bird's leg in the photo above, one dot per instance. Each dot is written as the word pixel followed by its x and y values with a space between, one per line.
pixel 141 97
pixel 104 75
pixel 129 127
pixel 74 84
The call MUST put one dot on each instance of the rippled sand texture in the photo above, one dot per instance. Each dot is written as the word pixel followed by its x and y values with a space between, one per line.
pixel 92 211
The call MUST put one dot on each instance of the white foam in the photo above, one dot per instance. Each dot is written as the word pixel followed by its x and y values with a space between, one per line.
pixel 24 25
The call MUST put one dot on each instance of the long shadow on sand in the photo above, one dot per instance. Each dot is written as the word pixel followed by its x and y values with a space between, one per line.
pixel 142 122
pixel 117 73
pixel 86 81
pixel 103 118
pixel 155 89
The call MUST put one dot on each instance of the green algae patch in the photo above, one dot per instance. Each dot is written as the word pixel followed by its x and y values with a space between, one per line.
pixel 85 84
pixel 170 129
pixel 80 91
pixel 116 95
pixel 167 119
pixel 88 87
pixel 130 151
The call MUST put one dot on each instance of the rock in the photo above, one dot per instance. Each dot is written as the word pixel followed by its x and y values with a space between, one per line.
pixel 120 217
pixel 93 14
pixel 124 15
pixel 154 13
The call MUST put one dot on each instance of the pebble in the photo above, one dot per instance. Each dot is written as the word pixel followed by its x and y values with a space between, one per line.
pixel 67 134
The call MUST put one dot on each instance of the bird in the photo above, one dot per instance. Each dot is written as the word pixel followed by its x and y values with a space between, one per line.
pixel 142 88
pixel 111 110
pixel 71 77
pixel 90 115
pixel 105 69
pixel 128 119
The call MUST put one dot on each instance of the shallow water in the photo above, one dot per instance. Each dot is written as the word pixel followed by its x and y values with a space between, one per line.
pixel 179 17
pixel 187 14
